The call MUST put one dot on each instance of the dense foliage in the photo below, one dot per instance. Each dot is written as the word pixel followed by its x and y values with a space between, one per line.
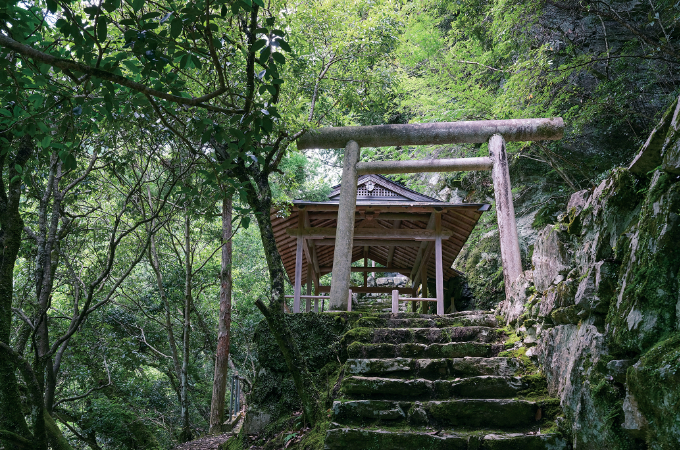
pixel 124 124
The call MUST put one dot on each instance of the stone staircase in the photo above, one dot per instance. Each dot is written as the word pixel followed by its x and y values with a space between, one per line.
pixel 415 381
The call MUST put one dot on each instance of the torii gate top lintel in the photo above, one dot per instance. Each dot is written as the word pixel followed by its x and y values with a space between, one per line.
pixel 472 132
pixel 495 132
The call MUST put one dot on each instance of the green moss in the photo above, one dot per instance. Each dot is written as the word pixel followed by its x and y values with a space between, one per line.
pixel 655 384
pixel 646 309
pixel 537 386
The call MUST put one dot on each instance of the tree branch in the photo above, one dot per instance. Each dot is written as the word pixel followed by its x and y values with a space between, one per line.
pixel 70 66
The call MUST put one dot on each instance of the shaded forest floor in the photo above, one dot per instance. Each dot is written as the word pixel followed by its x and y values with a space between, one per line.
pixel 205 443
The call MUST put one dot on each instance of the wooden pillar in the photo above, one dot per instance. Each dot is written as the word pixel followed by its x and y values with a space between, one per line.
pixel 349 300
pixel 298 274
pixel 365 265
pixel 344 235
pixel 395 301
pixel 440 266
pixel 505 211
pixel 316 292
pixel 423 289
pixel 308 303
pixel 298 264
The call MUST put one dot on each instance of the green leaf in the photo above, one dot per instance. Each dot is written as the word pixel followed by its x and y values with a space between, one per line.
pixel 18 168
pixel 47 140
pixel 185 60
pixel 267 124
pixel 14 178
pixel 101 28
pixel 52 6
pixel 111 5
pixel 279 58
pixel 284 45
pixel 259 44
pixel 5 113
pixel 245 221
pixel 196 61
pixel 175 27
pixel 259 3
pixel 137 5
pixel 264 55
pixel 70 162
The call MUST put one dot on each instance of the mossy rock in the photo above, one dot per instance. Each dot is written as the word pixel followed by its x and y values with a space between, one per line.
pixel 655 383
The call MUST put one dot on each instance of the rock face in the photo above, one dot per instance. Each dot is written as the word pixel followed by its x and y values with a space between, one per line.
pixel 601 306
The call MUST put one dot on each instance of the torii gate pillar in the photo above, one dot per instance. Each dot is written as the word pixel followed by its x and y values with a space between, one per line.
pixel 344 238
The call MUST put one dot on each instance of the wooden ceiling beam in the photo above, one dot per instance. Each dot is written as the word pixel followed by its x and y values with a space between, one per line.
pixel 418 234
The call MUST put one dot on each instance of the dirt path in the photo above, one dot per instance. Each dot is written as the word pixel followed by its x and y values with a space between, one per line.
pixel 205 443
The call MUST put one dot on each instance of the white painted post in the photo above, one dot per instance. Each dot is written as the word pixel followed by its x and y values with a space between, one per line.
pixel 505 211
pixel 298 274
pixel 349 301
pixel 395 301
pixel 344 235
pixel 439 265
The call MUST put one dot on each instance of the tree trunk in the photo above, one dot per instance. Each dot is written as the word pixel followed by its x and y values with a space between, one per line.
pixel 273 313
pixel 224 324
pixel 11 228
pixel 186 434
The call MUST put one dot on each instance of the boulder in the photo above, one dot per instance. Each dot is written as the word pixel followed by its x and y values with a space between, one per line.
pixel 550 259
pixel 596 289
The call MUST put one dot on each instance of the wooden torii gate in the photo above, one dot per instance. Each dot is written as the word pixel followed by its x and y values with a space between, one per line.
pixel 496 132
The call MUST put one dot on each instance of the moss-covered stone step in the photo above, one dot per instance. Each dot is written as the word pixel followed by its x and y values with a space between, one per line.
pixel 467 320
pixel 352 438
pixel 428 336
pixel 450 350
pixel 433 368
pixel 487 386
pixel 486 413
pixel 413 315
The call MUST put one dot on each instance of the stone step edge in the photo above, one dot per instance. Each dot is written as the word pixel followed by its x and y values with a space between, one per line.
pixel 473 440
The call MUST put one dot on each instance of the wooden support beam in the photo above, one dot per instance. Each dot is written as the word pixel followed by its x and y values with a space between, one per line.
pixel 505 211
pixel 439 266
pixel 414 217
pixel 424 165
pixel 344 234
pixel 370 269
pixel 369 290
pixel 433 133
pixel 349 301
pixel 419 256
pixel 298 269
pixel 418 234
pixel 390 253
pixel 395 301
pixel 308 303
pixel 366 265
pixel 372 243
pixel 423 289
pixel 425 260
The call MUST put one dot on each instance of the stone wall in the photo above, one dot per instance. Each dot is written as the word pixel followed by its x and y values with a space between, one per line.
pixel 600 309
